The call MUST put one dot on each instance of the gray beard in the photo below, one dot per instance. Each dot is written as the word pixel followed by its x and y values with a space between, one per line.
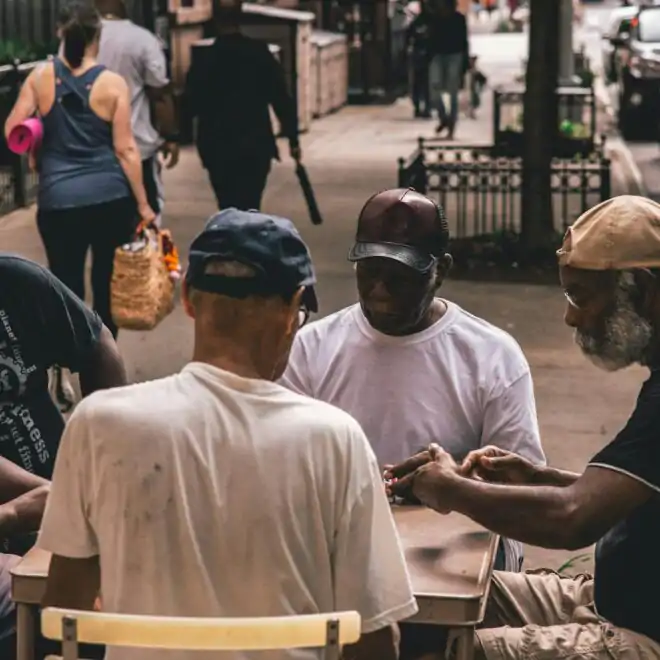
pixel 626 339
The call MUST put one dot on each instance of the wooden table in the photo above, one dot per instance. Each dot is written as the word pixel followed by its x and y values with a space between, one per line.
pixel 450 560
pixel 28 585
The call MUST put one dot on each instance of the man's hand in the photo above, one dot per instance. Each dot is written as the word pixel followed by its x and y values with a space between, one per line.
pixel 426 476
pixel 498 466
pixel 296 153
pixel 170 152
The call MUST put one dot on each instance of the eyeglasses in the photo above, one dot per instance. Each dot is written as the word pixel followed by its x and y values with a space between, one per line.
pixel 571 301
pixel 303 316
pixel 583 305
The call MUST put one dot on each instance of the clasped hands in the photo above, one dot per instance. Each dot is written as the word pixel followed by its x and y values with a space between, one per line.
pixel 432 476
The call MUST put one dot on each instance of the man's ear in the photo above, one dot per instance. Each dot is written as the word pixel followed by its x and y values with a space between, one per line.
pixel 442 268
pixel 185 299
pixel 647 283
pixel 294 310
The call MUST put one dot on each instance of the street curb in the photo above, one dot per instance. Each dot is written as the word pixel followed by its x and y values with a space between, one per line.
pixel 619 153
pixel 615 148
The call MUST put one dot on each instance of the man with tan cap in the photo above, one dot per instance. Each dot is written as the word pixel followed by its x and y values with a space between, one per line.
pixel 413 368
pixel 609 268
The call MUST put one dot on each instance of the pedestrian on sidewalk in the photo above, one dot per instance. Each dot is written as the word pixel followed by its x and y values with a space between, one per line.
pixel 231 91
pixel 138 56
pixel 90 173
pixel 449 52
pixel 417 42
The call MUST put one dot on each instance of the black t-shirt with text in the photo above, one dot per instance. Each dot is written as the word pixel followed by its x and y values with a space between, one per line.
pixel 42 324
pixel 627 580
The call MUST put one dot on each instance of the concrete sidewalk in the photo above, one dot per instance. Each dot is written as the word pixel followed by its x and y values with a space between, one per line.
pixel 351 155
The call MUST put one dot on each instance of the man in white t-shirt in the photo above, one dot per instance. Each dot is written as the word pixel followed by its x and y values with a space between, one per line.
pixel 216 491
pixel 410 367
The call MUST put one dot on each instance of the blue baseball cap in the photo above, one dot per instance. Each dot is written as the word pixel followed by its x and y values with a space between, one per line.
pixel 270 245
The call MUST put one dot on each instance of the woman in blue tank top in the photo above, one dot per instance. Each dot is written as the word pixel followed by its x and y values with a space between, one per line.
pixel 90 172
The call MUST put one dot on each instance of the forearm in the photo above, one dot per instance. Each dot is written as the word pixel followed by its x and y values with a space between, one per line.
pixel 285 112
pixel 538 515
pixel 105 368
pixel 23 514
pixel 131 163
pixel 165 115
pixel 15 481
pixel 547 476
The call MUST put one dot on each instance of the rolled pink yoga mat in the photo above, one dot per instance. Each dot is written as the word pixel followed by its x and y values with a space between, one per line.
pixel 26 136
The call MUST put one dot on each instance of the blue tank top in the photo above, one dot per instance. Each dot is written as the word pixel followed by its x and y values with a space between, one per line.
pixel 78 165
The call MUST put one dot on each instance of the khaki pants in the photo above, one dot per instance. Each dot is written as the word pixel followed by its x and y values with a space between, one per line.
pixel 544 616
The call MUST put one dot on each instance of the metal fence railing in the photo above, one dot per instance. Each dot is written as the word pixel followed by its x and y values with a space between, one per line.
pixel 18 186
pixel 481 192
pixel 33 21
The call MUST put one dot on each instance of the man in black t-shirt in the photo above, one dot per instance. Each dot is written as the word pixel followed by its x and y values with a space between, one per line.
pixel 42 324
pixel 610 272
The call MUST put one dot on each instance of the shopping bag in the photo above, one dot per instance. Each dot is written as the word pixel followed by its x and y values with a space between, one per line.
pixel 144 280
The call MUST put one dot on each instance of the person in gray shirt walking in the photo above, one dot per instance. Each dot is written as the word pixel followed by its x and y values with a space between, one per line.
pixel 137 55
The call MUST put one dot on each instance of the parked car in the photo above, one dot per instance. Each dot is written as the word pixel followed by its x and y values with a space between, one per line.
pixel 618 23
pixel 637 70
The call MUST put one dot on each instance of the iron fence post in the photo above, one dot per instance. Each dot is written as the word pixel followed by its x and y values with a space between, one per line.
pixel 18 163
pixel 605 179
pixel 401 174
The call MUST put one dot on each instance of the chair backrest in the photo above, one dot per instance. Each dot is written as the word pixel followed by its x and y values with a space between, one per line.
pixel 72 627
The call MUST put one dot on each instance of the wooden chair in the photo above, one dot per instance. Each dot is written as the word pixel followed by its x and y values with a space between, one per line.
pixel 71 627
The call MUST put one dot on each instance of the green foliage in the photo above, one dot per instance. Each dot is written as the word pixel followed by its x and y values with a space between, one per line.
pixel 504 26
pixel 12 50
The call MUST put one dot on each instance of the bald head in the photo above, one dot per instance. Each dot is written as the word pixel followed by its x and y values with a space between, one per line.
pixel 114 7
pixel 227 13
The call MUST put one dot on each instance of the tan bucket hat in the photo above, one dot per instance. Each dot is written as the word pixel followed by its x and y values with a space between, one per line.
pixel 617 234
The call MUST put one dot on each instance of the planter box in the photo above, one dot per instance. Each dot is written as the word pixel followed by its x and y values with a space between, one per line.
pixel 576 132
pixel 329 72
pixel 376 35
pixel 290 30
pixel 510 144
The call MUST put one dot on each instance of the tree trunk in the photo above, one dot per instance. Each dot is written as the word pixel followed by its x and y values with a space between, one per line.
pixel 540 124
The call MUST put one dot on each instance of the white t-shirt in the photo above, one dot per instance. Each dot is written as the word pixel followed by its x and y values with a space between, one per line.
pixel 138 56
pixel 462 383
pixel 208 494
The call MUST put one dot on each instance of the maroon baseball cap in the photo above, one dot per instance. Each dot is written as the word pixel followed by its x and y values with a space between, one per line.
pixel 403 225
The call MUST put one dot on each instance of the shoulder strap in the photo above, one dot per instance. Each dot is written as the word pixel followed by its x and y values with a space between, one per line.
pixel 80 86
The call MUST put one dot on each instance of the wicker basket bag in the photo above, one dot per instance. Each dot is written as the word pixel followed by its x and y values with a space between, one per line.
pixel 142 290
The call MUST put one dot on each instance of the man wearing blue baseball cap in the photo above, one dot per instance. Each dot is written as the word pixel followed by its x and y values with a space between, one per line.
pixel 216 491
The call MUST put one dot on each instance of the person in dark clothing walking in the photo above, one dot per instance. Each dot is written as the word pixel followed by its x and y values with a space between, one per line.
pixel 449 52
pixel 230 91
pixel 417 36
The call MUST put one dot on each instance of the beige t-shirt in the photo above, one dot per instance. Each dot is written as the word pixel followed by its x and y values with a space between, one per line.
pixel 207 494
